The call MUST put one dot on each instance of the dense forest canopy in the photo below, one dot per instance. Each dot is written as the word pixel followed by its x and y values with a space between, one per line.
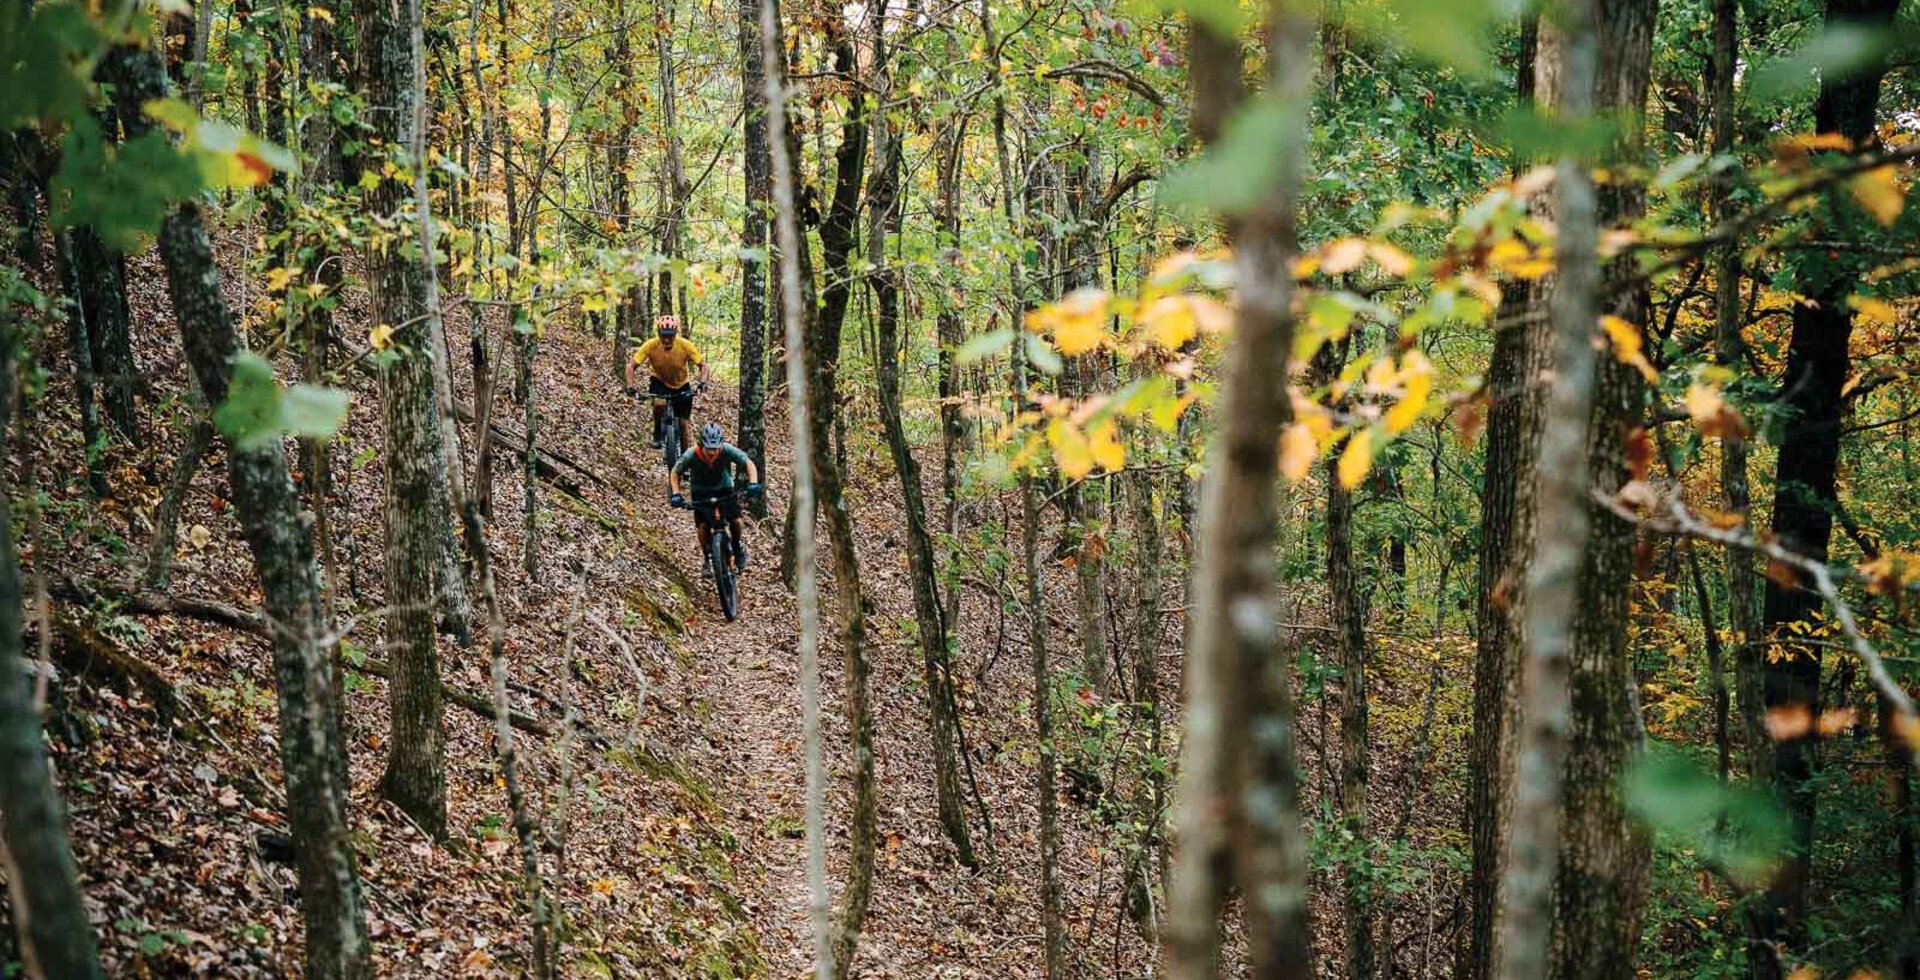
pixel 1355 488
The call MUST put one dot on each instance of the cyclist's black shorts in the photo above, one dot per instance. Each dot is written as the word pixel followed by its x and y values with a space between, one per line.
pixel 729 506
pixel 680 398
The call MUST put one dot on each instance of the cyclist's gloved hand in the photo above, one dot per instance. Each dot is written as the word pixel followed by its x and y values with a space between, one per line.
pixel 632 391
pixel 677 501
pixel 753 488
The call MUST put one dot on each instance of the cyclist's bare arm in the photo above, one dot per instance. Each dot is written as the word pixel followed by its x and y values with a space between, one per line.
pixel 633 368
pixel 753 472
pixel 705 375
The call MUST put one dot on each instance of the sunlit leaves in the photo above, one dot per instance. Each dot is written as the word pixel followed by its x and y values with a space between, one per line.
pixel 1707 406
pixel 1355 460
pixel 1172 321
pixel 1298 450
pixel 1078 323
pixel 1878 192
pixel 1628 345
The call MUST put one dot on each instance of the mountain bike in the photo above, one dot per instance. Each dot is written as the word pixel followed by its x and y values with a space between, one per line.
pixel 667 431
pixel 711 512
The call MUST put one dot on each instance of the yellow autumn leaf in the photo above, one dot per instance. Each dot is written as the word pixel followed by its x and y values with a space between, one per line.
pixel 320 13
pixel 1298 450
pixel 1627 345
pixel 1342 255
pixel 1390 259
pixel 1356 460
pixel 380 337
pixel 1169 322
pixel 1077 322
pixel 1514 258
pixel 1417 374
pixel 279 276
pixel 1103 440
pixel 1874 311
pixel 1070 450
pixel 1878 191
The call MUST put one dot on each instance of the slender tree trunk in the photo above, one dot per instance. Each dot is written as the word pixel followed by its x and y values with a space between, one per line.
pixel 56 938
pixel 838 237
pixel 794 314
pixel 1348 615
pixel 166 516
pixel 673 178
pixel 1013 199
pixel 1238 743
pixel 950 333
pixel 884 200
pixel 1148 814
pixel 80 349
pixel 751 430
pixel 1813 403
pixel 1521 355
pixel 1729 350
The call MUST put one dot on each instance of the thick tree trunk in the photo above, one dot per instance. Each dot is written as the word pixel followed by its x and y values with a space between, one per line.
pixel 103 282
pixel 750 433
pixel 56 938
pixel 416 775
pixel 1605 852
pixel 312 756
pixel 1238 744
pixel 1813 403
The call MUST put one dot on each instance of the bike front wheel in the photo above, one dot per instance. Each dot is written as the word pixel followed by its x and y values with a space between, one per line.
pixel 722 558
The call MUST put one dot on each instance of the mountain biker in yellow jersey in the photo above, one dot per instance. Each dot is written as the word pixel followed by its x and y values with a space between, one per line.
pixel 669 362
pixel 706 473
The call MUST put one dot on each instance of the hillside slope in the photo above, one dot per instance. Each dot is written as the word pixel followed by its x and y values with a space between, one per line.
pixel 682 852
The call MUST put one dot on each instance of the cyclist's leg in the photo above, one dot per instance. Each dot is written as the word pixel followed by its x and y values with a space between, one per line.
pixel 659 409
pixel 706 545
pixel 683 407
pixel 739 541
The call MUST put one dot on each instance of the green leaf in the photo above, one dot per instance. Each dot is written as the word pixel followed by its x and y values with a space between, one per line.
pixel 1839 51
pixel 313 411
pixel 1042 356
pixel 250 415
pixel 1738 828
pixel 981 347
pixel 1238 170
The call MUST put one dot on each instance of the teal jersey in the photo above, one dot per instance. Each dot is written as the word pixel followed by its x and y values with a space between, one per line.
pixel 708 479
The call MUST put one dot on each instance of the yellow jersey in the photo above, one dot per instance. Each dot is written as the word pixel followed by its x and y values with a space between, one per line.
pixel 673 366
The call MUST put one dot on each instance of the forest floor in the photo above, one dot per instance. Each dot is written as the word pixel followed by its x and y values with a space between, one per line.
pixel 683 851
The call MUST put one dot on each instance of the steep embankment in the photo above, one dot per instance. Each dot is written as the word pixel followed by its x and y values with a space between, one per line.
pixel 673 811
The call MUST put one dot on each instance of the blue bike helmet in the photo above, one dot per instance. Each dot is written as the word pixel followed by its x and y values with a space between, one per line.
pixel 711 437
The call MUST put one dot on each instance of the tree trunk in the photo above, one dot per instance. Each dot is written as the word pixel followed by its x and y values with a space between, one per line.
pixel 751 430
pixel 102 272
pixel 1521 355
pixel 838 237
pixel 1238 744
pixel 80 349
pixel 416 774
pixel 673 179
pixel 166 515
pixel 1348 617
pixel 883 198
pixel 56 938
pixel 1813 403
pixel 1729 350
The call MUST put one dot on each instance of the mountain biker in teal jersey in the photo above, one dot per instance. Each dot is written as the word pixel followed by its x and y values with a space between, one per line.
pixel 706 472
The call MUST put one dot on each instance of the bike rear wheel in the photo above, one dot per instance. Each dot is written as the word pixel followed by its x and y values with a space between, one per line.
pixel 670 439
pixel 721 555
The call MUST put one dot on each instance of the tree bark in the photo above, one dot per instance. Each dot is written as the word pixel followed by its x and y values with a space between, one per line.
pixel 883 200
pixel 1507 501
pixel 416 776
pixel 56 938
pixel 1729 351
pixel 1238 743
pixel 751 430
pixel 80 351
pixel 1813 403
pixel 1348 617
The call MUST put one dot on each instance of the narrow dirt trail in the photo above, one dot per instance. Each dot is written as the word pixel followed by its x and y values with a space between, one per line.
pixel 744 683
